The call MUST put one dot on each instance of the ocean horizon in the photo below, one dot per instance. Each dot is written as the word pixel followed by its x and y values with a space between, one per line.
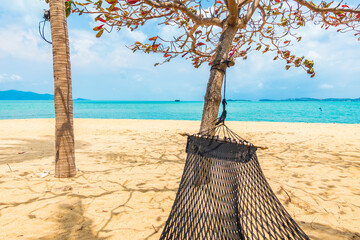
pixel 270 111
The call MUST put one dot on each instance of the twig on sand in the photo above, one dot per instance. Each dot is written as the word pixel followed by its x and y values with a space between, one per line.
pixel 154 228
pixel 286 193
pixel 9 167
pixel 311 224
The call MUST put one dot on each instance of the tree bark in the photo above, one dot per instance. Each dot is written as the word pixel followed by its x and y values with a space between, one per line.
pixel 64 132
pixel 213 91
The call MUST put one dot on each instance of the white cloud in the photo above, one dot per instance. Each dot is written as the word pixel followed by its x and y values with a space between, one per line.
pixel 18 42
pixel 28 13
pixel 329 49
pixel 81 42
pixel 313 55
pixel 135 35
pixel 22 6
pixel 168 32
pixel 90 52
pixel 109 52
pixel 15 77
pixel 9 78
pixel 326 86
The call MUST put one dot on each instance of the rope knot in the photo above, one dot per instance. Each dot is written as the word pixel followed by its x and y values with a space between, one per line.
pixel 221 65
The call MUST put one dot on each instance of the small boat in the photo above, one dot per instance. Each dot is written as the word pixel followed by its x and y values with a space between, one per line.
pixel 177 100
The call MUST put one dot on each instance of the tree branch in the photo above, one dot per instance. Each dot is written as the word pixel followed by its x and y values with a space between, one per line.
pixel 182 8
pixel 314 8
pixel 251 11
pixel 233 12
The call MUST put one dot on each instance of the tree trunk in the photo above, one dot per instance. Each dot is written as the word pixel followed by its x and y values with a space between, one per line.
pixel 64 132
pixel 213 91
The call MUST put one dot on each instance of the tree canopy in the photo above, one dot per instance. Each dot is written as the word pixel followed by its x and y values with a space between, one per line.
pixel 261 25
pixel 219 31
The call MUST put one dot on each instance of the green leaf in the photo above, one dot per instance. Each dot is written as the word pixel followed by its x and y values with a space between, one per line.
pixel 68 11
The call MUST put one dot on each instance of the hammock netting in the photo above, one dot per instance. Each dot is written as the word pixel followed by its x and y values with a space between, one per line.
pixel 223 194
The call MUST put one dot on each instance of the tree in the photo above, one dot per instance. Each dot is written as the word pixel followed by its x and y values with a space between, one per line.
pixel 64 132
pixel 222 31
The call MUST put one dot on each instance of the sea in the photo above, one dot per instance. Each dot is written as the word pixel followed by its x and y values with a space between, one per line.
pixel 270 111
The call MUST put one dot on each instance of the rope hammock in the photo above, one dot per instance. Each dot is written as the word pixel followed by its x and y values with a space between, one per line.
pixel 223 193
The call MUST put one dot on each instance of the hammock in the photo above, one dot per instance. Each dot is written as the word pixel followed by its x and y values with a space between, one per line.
pixel 223 194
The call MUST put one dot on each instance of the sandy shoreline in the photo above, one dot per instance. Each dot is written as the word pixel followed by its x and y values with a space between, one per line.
pixel 130 171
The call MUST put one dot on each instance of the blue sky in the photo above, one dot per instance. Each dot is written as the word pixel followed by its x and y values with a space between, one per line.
pixel 104 69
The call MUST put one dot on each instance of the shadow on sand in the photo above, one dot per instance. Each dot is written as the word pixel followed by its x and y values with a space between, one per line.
pixel 71 223
pixel 22 149
pixel 318 231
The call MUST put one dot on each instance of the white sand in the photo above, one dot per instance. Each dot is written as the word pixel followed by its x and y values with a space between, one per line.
pixel 130 171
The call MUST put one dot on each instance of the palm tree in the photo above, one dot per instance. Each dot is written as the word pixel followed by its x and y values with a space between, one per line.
pixel 64 131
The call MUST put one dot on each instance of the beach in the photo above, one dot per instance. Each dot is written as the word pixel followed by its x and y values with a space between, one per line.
pixel 129 172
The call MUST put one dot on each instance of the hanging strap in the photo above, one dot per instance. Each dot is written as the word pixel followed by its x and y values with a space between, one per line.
pixel 46 19
pixel 222 117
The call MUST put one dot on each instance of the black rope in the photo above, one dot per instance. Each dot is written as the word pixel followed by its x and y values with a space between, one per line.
pixel 42 31
pixel 222 117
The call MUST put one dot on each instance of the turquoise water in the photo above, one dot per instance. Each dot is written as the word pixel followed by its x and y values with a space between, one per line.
pixel 275 111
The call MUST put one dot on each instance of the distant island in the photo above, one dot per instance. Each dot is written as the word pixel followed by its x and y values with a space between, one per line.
pixel 21 95
pixel 315 99
pixel 237 100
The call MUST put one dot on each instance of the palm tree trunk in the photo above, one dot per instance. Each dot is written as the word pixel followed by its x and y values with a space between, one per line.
pixel 64 132
pixel 213 91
